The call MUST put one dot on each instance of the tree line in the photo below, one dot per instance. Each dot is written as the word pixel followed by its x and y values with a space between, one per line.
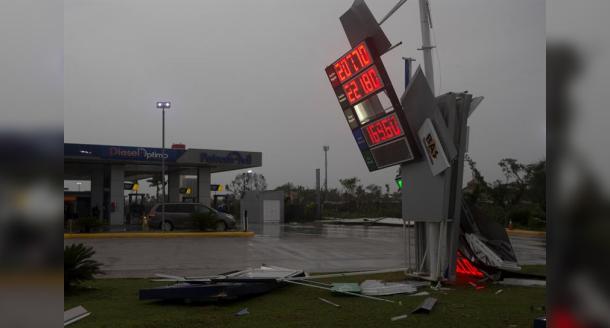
pixel 519 198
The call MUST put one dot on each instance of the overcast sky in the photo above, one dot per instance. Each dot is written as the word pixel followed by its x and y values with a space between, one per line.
pixel 249 75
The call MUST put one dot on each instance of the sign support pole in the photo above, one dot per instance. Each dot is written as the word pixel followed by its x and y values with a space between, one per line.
pixel 428 234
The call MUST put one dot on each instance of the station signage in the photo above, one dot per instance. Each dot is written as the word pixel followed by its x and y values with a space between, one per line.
pixel 122 153
pixel 225 157
pixel 430 142
pixel 359 79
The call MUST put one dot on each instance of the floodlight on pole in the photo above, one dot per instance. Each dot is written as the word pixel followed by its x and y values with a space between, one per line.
pixel 250 172
pixel 163 105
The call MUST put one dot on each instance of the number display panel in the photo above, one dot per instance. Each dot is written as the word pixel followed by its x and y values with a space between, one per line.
pixel 392 153
pixel 382 130
pixel 363 85
pixel 353 62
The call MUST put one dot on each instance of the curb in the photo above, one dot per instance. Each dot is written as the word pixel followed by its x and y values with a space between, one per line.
pixel 526 233
pixel 103 235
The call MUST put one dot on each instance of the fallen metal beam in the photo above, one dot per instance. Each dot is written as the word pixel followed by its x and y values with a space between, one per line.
pixel 345 274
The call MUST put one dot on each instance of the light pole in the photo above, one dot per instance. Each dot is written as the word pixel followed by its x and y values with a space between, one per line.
pixel 250 179
pixel 163 105
pixel 326 148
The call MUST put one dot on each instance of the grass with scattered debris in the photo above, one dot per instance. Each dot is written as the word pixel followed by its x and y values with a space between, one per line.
pixel 114 303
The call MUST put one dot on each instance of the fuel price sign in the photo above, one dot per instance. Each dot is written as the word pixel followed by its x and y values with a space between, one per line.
pixel 358 78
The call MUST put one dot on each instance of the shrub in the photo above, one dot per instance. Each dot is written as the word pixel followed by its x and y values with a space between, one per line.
pixel 89 224
pixel 78 265
pixel 309 212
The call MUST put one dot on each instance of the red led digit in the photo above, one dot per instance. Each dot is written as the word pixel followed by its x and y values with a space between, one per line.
pixel 345 66
pixel 353 58
pixel 373 76
pixel 382 135
pixel 395 125
pixel 348 63
pixel 365 80
pixel 364 57
pixel 387 127
pixel 352 92
pixel 372 134
pixel 391 126
pixel 357 94
pixel 340 72
pixel 349 92
pixel 379 133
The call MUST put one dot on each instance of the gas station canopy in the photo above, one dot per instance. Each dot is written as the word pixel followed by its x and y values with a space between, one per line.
pixel 108 167
pixel 139 161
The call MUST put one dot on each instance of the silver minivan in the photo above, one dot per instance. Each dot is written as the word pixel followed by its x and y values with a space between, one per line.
pixel 180 216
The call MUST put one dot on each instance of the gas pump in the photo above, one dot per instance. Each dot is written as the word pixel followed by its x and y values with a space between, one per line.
pixel 135 206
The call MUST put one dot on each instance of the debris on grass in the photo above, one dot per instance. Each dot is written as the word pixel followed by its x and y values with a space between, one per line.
pixel 439 287
pixel 379 288
pixel 399 317
pixel 227 286
pixel 329 302
pixel 242 312
pixel 345 287
pixel 499 291
pixel 75 314
pixel 424 293
pixel 417 283
pixel 338 291
pixel 475 286
pixel 426 306
pixel 523 282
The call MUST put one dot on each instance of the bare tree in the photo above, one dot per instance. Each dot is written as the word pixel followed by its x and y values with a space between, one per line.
pixel 246 182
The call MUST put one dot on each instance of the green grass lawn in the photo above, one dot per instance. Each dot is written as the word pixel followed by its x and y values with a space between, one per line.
pixel 114 303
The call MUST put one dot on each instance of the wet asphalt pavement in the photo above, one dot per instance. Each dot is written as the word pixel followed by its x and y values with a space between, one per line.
pixel 312 247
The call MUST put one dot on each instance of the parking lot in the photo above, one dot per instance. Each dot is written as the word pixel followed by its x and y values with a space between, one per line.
pixel 313 247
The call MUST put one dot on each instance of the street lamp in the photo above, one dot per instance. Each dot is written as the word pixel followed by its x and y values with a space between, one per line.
pixel 163 105
pixel 250 179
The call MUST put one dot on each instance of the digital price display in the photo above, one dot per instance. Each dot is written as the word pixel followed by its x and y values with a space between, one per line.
pixel 353 62
pixel 382 130
pixel 363 85
pixel 358 78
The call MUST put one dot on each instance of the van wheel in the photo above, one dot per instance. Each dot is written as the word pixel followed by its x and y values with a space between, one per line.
pixel 221 226
pixel 167 226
